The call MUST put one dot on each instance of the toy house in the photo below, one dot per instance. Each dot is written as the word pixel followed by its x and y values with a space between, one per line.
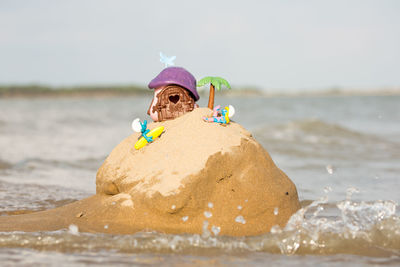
pixel 174 94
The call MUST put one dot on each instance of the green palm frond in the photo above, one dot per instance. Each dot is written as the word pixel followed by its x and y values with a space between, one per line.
pixel 224 82
pixel 204 81
pixel 216 84
pixel 216 81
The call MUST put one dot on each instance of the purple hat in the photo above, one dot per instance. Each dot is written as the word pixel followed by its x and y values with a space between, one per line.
pixel 176 75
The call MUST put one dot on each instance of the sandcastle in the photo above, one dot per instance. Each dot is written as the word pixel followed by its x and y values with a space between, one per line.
pixel 195 175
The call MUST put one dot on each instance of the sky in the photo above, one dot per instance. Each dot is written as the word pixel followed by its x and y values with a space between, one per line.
pixel 271 45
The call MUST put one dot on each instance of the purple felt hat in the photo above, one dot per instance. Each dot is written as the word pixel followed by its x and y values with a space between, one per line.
pixel 176 75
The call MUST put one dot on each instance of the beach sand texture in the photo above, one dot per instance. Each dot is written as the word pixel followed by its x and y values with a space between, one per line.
pixel 196 175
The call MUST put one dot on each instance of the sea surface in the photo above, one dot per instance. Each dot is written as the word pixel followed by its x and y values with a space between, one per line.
pixel 342 152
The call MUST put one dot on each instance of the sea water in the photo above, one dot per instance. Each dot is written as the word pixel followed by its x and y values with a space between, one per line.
pixel 342 152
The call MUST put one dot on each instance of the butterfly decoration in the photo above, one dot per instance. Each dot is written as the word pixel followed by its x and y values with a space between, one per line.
pixel 168 61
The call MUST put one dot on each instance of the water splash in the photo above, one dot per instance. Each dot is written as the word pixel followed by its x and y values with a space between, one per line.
pixel 207 214
pixel 205 233
pixel 356 220
pixel 327 189
pixel 73 229
pixel 357 217
pixel 240 219
pixel 350 192
pixel 215 230
pixel 319 235
pixel 276 229
pixel 330 169
pixel 361 228
pixel 276 211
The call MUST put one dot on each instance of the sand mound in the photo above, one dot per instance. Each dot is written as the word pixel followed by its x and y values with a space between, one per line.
pixel 200 171
pixel 195 174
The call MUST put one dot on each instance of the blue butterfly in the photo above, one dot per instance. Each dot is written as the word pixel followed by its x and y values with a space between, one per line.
pixel 168 61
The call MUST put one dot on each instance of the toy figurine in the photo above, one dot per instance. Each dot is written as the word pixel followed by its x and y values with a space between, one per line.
pixel 174 94
pixel 221 116
pixel 147 135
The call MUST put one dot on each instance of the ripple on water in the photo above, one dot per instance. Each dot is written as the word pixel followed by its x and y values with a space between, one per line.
pixel 22 198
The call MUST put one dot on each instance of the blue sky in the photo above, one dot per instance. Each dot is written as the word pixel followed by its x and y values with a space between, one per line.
pixel 268 44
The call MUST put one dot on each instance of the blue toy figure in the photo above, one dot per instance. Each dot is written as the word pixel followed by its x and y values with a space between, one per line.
pixel 147 136
pixel 221 116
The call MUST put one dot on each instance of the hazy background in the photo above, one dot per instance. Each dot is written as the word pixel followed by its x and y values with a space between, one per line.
pixel 277 45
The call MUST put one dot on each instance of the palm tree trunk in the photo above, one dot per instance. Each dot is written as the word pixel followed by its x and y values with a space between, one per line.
pixel 211 97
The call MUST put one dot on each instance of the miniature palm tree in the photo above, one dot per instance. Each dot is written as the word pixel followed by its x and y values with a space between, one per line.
pixel 215 82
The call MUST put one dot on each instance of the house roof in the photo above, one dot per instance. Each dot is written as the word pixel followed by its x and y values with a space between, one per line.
pixel 176 75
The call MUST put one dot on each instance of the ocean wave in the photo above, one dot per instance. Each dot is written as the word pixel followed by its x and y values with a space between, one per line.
pixel 315 137
pixel 310 131
pixel 370 229
pixel 37 163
